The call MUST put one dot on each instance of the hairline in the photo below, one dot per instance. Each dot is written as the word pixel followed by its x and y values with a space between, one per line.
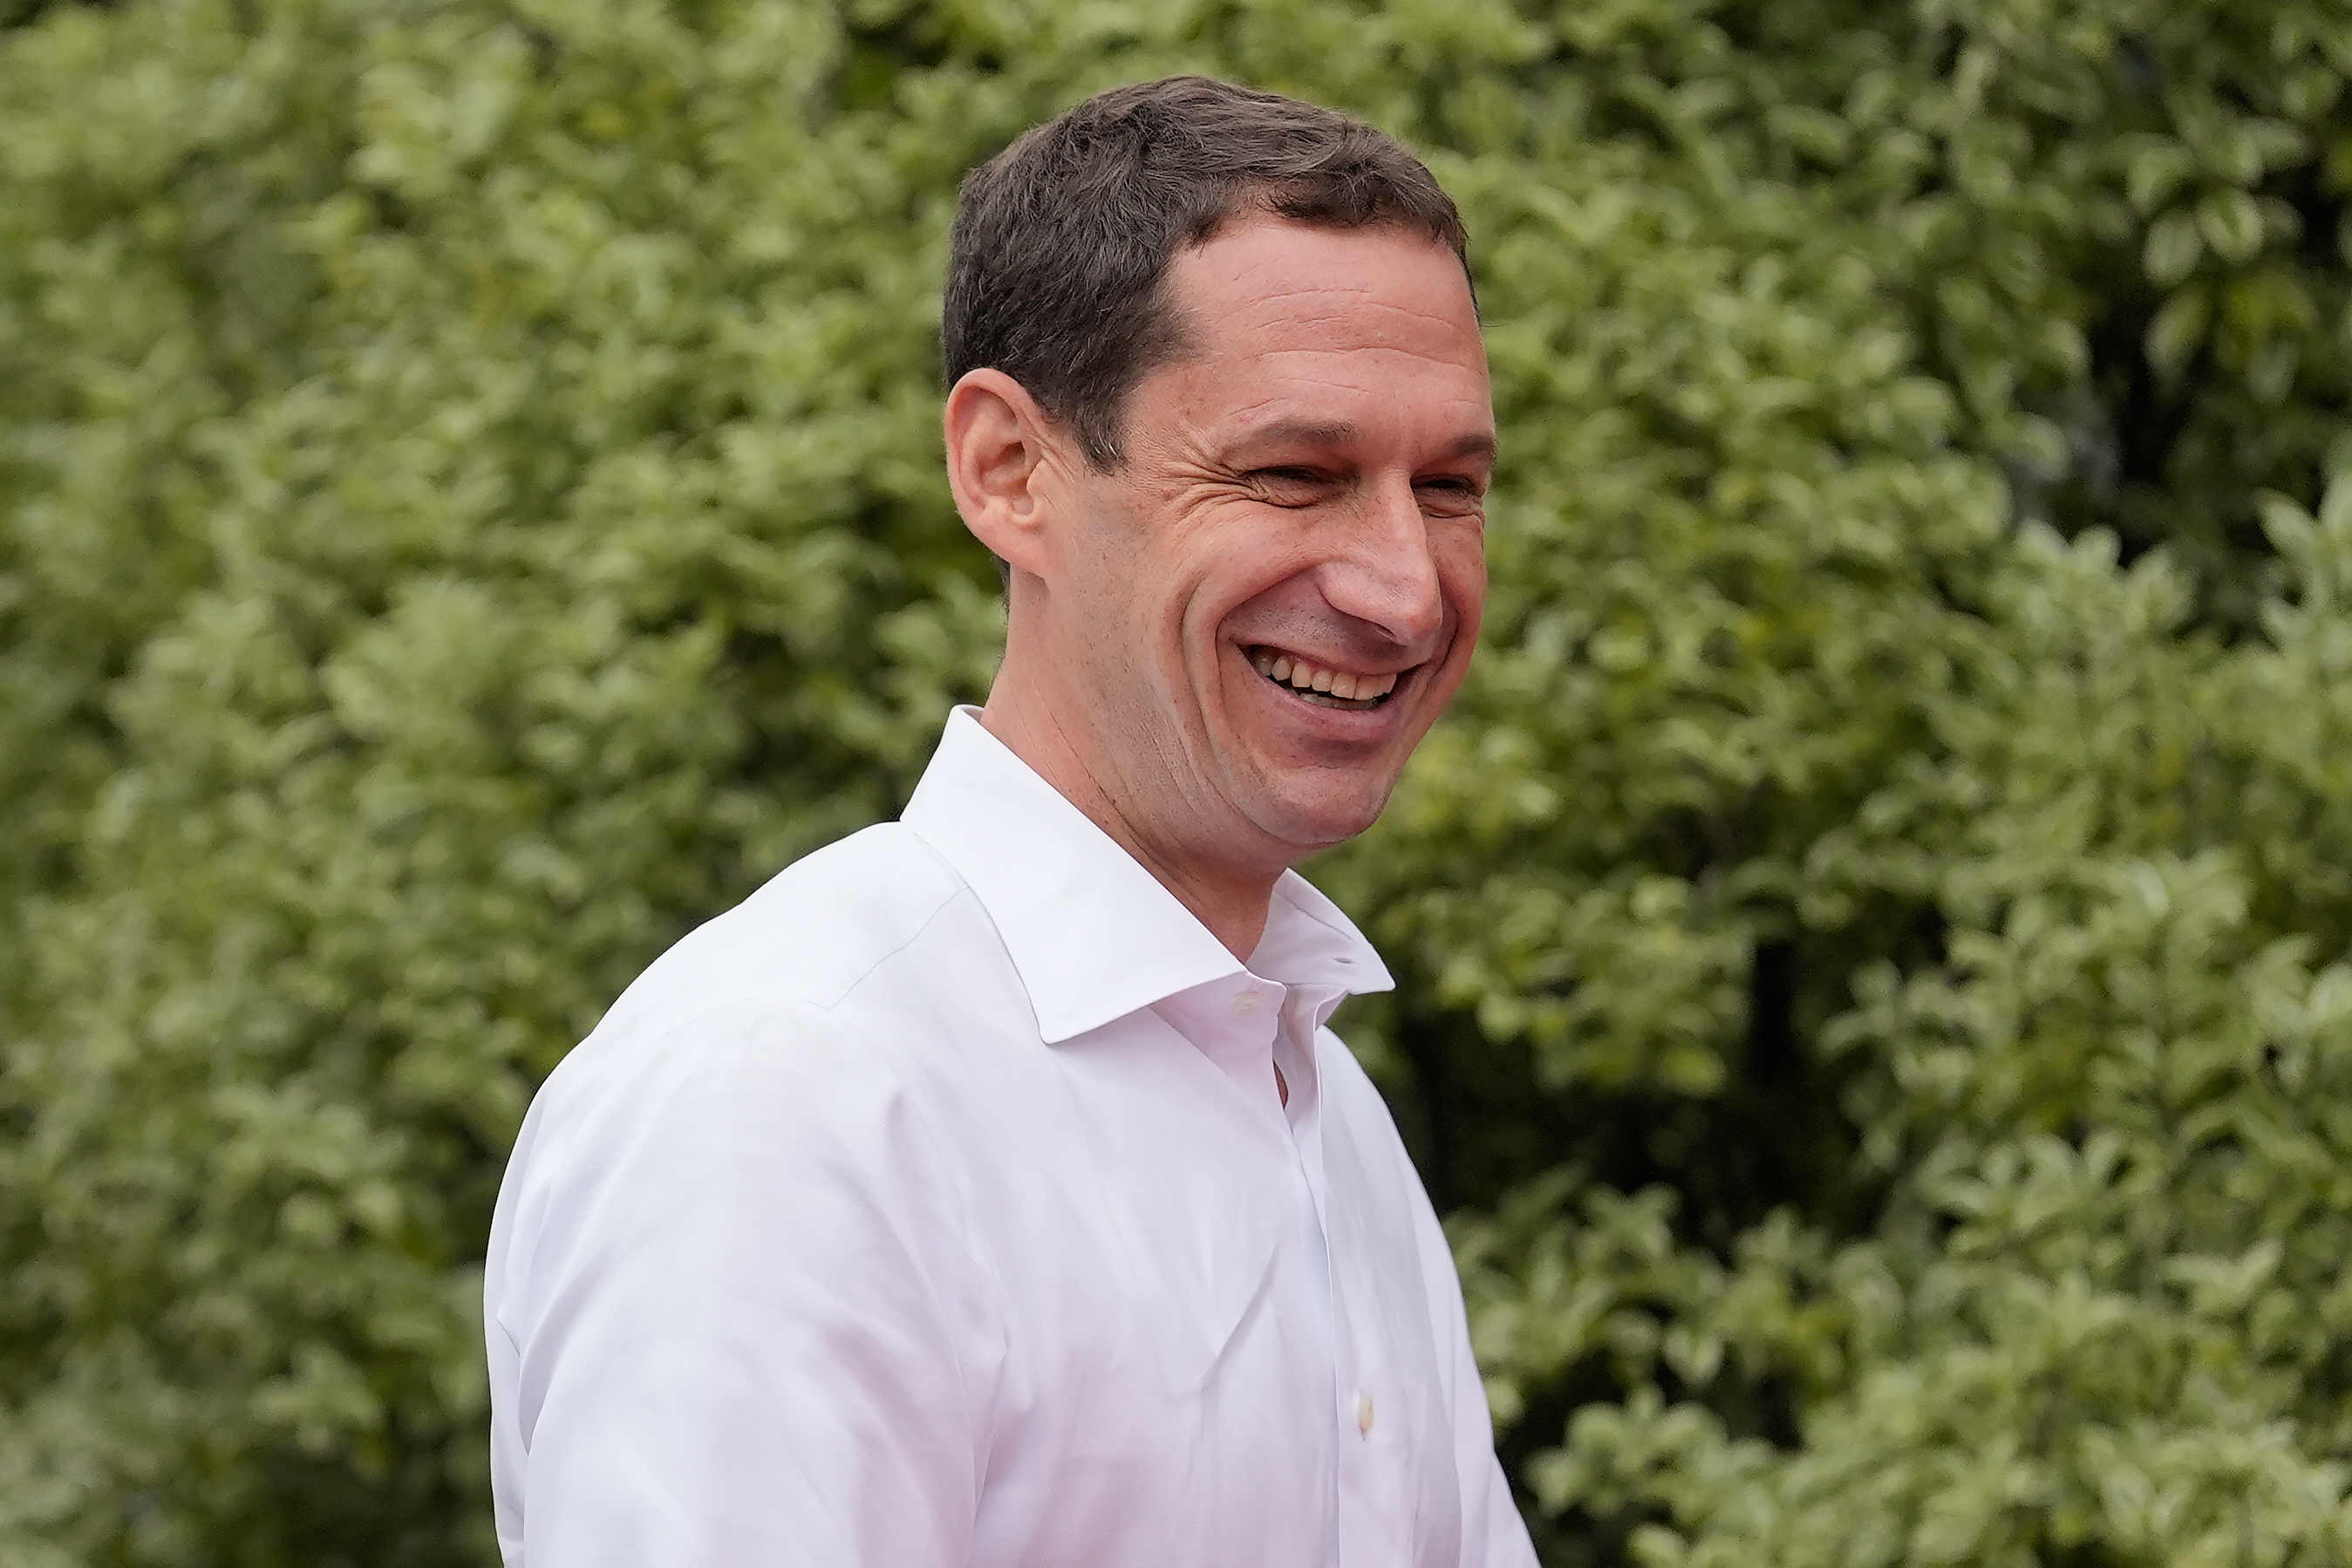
pixel 1182 342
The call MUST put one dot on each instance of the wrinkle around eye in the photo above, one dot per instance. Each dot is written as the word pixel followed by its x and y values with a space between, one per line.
pixel 1452 500
pixel 1288 486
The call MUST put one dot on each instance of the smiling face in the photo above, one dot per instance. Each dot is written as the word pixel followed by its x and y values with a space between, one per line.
pixel 1235 640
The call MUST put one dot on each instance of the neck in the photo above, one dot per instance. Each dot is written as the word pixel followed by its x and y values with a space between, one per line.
pixel 1230 900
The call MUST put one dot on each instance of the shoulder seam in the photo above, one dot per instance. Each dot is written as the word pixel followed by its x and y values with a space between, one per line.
pixel 863 975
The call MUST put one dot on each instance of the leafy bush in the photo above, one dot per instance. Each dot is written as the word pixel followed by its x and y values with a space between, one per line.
pixel 1871 935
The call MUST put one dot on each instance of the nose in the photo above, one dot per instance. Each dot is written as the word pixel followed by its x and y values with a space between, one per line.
pixel 1385 573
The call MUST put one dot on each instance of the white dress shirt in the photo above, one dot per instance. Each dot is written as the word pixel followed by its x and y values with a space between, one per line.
pixel 936 1207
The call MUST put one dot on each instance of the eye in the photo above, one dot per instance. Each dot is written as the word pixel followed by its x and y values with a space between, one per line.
pixel 1453 494
pixel 1289 486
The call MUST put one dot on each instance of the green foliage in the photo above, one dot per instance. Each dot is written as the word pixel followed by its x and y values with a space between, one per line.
pixel 1872 935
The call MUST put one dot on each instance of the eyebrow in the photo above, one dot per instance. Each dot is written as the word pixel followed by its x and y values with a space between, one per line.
pixel 1479 444
pixel 1340 433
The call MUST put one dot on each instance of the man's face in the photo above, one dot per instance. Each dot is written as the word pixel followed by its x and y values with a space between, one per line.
pixel 1274 596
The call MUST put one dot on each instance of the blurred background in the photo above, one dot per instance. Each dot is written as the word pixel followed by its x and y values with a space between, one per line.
pixel 1871 936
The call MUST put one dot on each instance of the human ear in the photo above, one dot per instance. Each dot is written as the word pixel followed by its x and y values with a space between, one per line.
pixel 1004 462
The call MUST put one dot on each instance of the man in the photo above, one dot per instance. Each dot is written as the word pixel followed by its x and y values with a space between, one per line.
pixel 985 1190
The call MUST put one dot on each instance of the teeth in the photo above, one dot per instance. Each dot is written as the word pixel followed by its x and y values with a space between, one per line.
pixel 1314 679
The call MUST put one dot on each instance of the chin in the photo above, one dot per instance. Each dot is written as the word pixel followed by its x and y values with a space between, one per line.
pixel 1321 821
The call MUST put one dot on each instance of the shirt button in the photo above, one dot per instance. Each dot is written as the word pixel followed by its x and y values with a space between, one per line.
pixel 1247 1002
pixel 1363 1411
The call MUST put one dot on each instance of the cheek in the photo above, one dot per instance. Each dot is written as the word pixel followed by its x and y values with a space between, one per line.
pixel 1186 577
pixel 1462 579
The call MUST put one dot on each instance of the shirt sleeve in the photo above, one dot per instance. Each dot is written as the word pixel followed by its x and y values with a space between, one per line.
pixel 1493 1534
pixel 731 1316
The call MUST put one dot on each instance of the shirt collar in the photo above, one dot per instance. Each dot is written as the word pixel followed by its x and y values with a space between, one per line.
pixel 1094 935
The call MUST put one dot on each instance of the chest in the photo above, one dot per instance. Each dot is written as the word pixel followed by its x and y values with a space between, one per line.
pixel 1201 1362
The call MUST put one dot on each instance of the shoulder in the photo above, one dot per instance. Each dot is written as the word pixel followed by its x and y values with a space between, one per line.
pixel 807 936
pixel 742 1017
pixel 1361 1144
pixel 1349 1092
pixel 733 1052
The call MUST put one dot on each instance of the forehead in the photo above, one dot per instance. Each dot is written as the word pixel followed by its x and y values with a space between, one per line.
pixel 1280 318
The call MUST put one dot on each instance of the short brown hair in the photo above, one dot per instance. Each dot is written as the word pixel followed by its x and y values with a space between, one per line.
pixel 1062 242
